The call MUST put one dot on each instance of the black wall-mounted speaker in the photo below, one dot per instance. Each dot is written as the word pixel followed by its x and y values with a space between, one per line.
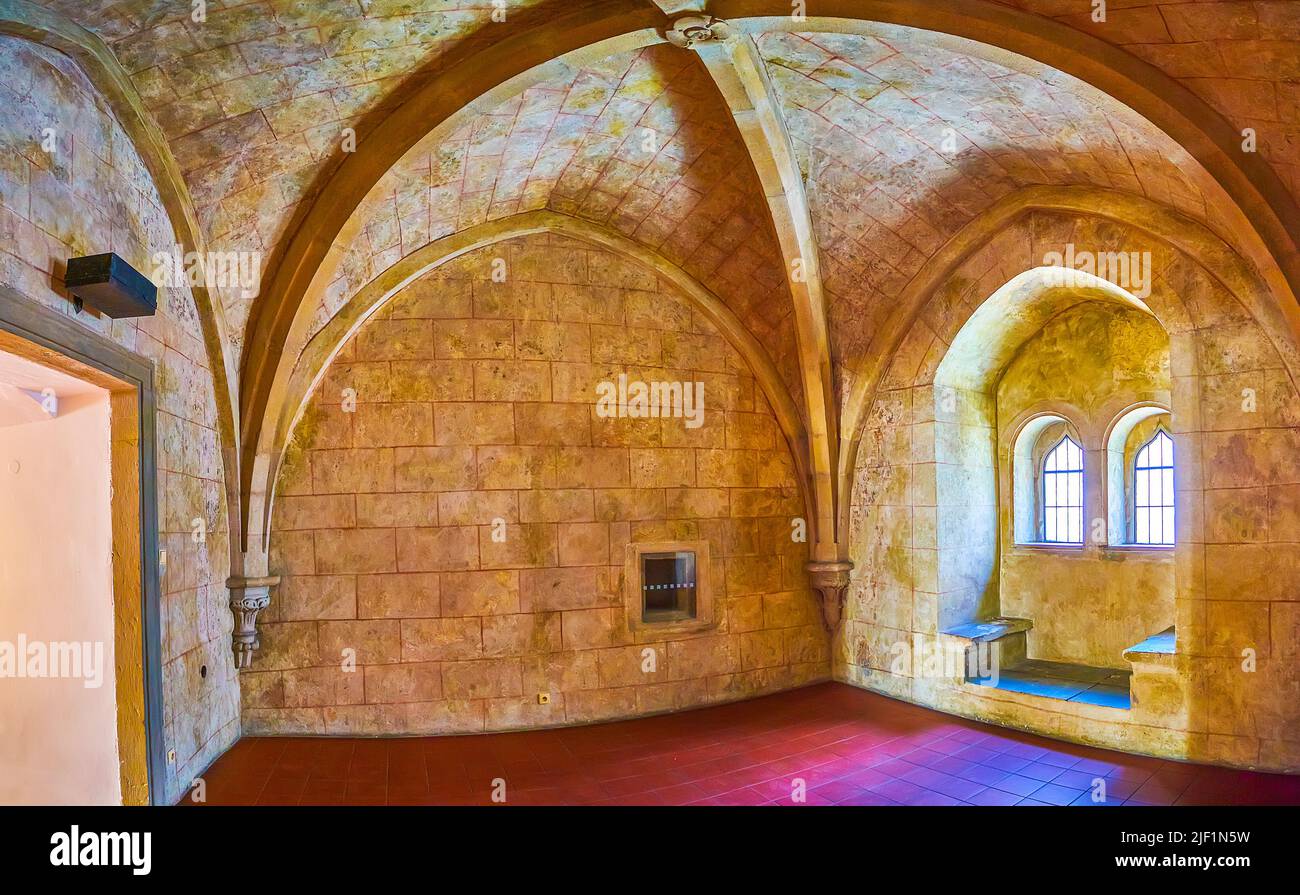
pixel 111 286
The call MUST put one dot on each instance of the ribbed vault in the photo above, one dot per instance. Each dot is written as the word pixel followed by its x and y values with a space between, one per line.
pixel 636 142
pixel 903 140
pixel 254 99
pixel 467 112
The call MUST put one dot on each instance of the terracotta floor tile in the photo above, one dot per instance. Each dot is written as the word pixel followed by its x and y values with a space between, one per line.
pixel 234 798
pixel 847 746
pixel 323 792
pixel 1077 779
pixel 359 793
pixel 1040 771
pixel 868 799
pixel 899 790
pixel 977 754
pixel 1021 786
pixel 993 797
pixel 1118 790
pixel 929 797
pixel 983 775
pixel 838 790
pixel 1157 792
pixel 1056 795
pixel 331 767
pixel 1008 763
pixel 1060 759
pixel 957 788
pixel 747 796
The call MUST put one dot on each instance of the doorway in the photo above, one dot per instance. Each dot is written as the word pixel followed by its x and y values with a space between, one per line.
pixel 80 640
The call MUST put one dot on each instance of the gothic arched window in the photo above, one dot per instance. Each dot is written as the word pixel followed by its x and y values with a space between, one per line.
pixel 1153 491
pixel 1062 490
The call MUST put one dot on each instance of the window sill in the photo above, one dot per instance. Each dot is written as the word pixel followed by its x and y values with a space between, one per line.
pixel 1041 548
pixel 652 630
pixel 1139 553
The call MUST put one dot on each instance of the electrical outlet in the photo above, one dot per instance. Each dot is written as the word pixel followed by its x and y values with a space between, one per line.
pixel 543 698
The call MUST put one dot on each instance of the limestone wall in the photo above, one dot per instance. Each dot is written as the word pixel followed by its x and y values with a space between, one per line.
pixel 475 412
pixel 93 194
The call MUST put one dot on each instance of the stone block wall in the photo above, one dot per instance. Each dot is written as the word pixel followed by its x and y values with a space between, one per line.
pixel 475 414
pixel 93 194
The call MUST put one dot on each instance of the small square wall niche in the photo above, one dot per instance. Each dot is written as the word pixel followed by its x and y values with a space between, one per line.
pixel 668 587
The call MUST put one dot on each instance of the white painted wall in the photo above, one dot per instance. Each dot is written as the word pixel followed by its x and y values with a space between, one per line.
pixel 58 738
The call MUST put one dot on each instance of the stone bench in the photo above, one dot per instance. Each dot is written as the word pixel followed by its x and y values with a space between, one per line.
pixel 1161 685
pixel 1006 639
pixel 1153 649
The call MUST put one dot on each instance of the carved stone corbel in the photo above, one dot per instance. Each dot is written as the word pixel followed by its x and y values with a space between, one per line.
pixel 688 31
pixel 831 579
pixel 248 597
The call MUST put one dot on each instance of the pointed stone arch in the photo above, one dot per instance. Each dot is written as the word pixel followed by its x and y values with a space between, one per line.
pixel 291 394
pixel 1278 319
pixel 1227 333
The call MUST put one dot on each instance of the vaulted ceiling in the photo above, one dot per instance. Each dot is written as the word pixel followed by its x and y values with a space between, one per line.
pixel 635 141
pixel 254 101
pixel 869 144
pixel 902 141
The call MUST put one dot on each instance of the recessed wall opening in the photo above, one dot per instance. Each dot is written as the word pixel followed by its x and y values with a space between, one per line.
pixel 1141 463
pixel 668 586
pixel 58 708
pixel 1055 489
pixel 81 717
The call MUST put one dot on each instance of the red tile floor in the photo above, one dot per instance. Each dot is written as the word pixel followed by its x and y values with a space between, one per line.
pixel 849 746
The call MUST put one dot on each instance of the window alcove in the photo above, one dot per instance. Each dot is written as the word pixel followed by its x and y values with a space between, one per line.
pixel 1057 556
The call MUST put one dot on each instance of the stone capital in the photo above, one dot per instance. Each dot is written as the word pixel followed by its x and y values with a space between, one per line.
pixel 831 580
pixel 248 597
